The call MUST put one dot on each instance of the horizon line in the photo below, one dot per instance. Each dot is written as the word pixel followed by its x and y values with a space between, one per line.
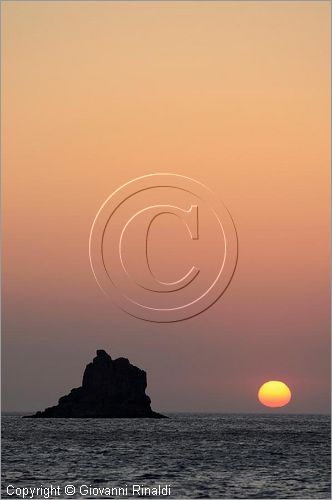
pixel 13 412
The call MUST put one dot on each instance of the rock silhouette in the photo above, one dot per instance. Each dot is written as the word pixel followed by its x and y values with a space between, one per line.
pixel 110 389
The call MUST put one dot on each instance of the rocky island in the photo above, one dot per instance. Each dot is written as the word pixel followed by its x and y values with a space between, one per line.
pixel 110 389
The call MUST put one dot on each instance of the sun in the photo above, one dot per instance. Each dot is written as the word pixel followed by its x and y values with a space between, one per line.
pixel 274 394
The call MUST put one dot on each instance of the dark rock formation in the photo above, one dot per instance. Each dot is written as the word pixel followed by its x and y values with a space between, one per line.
pixel 110 389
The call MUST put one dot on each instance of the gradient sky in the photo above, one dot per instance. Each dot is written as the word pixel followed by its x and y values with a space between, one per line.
pixel 233 94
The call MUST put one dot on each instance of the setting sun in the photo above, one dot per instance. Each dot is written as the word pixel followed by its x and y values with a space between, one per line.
pixel 274 394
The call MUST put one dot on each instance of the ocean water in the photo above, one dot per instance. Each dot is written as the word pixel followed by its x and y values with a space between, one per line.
pixel 198 455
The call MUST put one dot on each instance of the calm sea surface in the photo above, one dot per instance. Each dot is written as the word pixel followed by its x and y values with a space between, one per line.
pixel 199 456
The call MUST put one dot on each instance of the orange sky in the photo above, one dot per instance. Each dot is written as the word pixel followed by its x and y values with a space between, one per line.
pixel 233 94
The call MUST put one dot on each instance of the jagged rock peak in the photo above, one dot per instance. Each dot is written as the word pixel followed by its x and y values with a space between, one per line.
pixel 110 389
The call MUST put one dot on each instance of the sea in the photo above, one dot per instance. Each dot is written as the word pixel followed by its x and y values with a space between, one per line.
pixel 184 456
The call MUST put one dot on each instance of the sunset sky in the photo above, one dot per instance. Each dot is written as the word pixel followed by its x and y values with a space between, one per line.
pixel 233 94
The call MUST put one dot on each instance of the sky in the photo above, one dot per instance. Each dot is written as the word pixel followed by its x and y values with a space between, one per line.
pixel 232 94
